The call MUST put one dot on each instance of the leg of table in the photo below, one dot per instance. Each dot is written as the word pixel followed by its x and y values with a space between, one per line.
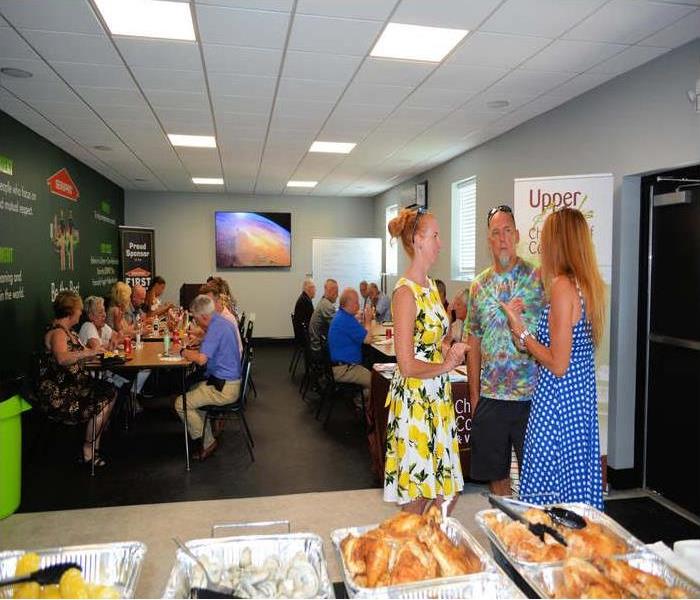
pixel 184 410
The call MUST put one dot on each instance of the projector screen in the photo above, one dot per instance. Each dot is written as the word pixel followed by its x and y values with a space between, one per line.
pixel 253 239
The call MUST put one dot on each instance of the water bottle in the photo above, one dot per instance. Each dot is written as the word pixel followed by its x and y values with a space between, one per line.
pixel 166 343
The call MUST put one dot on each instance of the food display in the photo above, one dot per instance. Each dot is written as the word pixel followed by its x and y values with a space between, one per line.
pixel 404 549
pixel 595 539
pixel 611 578
pixel 108 571
pixel 265 566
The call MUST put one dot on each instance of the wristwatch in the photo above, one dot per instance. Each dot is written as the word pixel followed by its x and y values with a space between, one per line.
pixel 525 333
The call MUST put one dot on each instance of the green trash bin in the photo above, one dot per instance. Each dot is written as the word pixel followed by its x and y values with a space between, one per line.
pixel 11 453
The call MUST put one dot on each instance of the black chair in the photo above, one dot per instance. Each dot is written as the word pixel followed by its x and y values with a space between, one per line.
pixel 248 345
pixel 312 365
pixel 241 324
pixel 331 390
pixel 235 410
pixel 298 352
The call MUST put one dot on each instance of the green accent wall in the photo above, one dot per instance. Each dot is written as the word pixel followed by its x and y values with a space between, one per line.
pixel 48 241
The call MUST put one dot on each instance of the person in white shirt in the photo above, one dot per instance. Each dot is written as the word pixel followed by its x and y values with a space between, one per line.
pixel 458 306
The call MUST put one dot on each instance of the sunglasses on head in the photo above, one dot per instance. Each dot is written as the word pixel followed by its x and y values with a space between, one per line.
pixel 419 211
pixel 496 209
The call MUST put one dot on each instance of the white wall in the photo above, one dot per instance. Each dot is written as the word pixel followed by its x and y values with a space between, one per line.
pixel 638 122
pixel 184 225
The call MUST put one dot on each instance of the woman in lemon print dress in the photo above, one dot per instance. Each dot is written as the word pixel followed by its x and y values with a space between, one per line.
pixel 422 453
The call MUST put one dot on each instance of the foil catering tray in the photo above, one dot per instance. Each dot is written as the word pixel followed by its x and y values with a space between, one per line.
pixel 590 513
pixel 545 581
pixel 490 582
pixel 117 564
pixel 221 553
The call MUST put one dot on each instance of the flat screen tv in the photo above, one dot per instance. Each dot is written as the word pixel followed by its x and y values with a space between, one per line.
pixel 253 239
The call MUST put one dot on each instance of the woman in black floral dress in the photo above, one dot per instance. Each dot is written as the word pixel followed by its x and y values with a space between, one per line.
pixel 65 390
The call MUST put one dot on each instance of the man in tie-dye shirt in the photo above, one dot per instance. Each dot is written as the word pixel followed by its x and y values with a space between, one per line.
pixel 502 377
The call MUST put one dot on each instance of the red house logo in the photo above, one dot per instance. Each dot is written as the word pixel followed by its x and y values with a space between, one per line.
pixel 61 184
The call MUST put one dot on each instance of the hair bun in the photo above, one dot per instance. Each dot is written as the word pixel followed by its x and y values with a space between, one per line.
pixel 397 225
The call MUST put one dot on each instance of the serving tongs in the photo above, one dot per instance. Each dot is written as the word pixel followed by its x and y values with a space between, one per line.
pixel 213 590
pixel 538 529
pixel 44 576
pixel 560 515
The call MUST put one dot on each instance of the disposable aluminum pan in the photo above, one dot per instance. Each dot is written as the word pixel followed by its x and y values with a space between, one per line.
pixel 547 580
pixel 591 514
pixel 225 552
pixel 490 582
pixel 117 565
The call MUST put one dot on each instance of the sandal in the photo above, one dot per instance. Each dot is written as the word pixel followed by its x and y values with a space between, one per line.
pixel 99 460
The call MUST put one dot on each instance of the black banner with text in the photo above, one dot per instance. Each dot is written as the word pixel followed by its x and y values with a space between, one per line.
pixel 138 255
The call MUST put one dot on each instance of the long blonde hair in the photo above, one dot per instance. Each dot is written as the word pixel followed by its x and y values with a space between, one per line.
pixel 567 249
pixel 121 295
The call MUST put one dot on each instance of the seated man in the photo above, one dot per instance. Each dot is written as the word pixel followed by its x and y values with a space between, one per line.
pixel 135 311
pixel 221 355
pixel 382 305
pixel 304 308
pixel 459 307
pixel 345 339
pixel 321 318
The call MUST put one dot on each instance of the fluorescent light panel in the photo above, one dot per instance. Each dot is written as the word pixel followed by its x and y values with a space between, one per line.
pixel 148 18
pixel 192 141
pixel 332 147
pixel 208 180
pixel 416 42
pixel 302 184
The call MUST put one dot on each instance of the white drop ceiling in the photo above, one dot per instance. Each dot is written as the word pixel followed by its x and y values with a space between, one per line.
pixel 268 77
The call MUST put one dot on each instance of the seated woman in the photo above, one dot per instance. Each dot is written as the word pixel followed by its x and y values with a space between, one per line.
pixel 120 301
pixel 97 335
pixel 65 390
pixel 155 307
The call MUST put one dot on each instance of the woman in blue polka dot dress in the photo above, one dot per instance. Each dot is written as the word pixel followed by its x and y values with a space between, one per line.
pixel 561 461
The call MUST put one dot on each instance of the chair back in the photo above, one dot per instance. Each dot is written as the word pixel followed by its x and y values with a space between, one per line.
pixel 298 334
pixel 241 324
pixel 249 332
pixel 324 359
pixel 245 382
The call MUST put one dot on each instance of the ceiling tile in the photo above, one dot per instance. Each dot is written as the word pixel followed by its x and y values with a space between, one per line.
pixel 681 32
pixel 188 122
pixel 350 129
pixel 464 77
pixel 278 5
pixel 628 60
pixel 136 114
pixel 373 93
pixel 314 65
pixel 393 72
pixel 169 79
pixel 480 103
pixel 40 71
pixel 253 28
pixel 373 10
pixel 572 57
pixel 334 36
pixel 627 21
pixel 103 96
pixel 244 61
pixel 547 18
pixel 64 47
pixel 243 121
pixel 242 104
pixel 32 91
pixel 231 84
pixel 429 97
pixel 497 50
pixel 68 16
pixel 13 46
pixel 55 110
pixel 418 116
pixel 529 82
pixel 309 124
pixel 308 89
pixel 301 108
pixel 361 111
pixel 81 74
pixel 455 14
pixel 168 99
pixel 160 54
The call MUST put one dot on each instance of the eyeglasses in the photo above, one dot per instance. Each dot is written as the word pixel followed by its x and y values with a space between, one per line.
pixel 496 209
pixel 419 211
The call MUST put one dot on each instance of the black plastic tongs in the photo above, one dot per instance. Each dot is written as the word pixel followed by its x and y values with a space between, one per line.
pixel 45 576
pixel 538 529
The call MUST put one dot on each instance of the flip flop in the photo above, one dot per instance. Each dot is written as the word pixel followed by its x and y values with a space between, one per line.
pixel 99 461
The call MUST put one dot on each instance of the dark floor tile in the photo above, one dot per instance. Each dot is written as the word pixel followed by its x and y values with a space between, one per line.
pixel 293 453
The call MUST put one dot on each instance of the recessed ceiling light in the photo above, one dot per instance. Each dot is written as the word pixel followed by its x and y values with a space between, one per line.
pixel 498 103
pixel 148 18
pixel 208 180
pixel 302 184
pixel 332 147
pixel 103 148
pixel 140 179
pixel 416 42
pixel 14 72
pixel 192 141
